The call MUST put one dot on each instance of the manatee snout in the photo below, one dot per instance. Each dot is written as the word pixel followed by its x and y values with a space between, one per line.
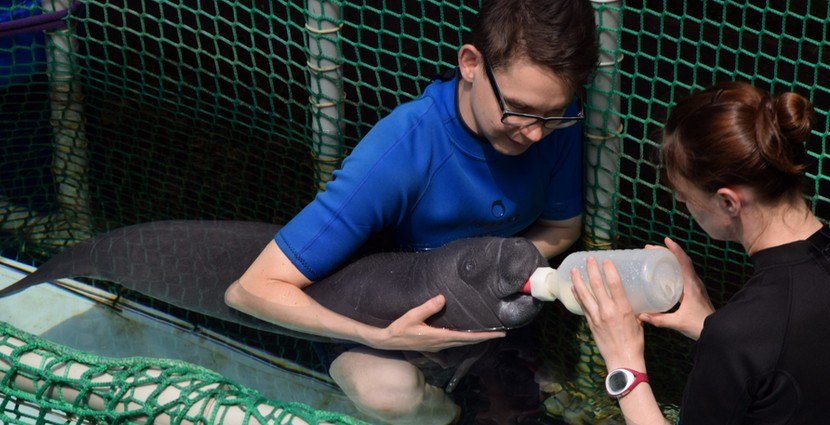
pixel 518 259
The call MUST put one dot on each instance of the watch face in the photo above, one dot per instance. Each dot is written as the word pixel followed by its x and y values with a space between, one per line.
pixel 620 382
pixel 617 381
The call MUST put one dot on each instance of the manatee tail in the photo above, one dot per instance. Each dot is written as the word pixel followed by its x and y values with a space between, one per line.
pixel 185 263
pixel 153 257
pixel 72 262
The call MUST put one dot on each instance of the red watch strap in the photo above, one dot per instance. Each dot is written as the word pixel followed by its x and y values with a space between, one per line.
pixel 639 377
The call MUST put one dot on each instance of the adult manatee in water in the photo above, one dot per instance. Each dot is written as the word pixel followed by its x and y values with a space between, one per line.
pixel 190 263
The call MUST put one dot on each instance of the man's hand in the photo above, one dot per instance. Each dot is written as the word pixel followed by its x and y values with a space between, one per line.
pixel 410 331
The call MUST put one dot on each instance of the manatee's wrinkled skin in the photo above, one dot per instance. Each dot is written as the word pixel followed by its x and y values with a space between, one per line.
pixel 190 263
pixel 480 278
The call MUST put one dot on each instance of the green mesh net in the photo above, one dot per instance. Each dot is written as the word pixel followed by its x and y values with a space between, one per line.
pixel 124 112
pixel 74 387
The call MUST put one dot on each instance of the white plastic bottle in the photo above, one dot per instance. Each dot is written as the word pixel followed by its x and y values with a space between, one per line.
pixel 650 278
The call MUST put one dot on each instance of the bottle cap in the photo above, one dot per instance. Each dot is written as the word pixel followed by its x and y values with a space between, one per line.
pixel 540 283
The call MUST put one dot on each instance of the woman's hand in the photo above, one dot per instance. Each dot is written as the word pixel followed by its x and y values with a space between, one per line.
pixel 410 331
pixel 695 304
pixel 617 332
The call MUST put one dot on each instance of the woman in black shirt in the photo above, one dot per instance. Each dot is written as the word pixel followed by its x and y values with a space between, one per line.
pixel 734 155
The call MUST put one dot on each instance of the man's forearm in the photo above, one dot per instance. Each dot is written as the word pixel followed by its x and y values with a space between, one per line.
pixel 552 238
pixel 289 307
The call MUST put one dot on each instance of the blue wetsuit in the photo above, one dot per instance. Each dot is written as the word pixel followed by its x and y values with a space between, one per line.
pixel 424 176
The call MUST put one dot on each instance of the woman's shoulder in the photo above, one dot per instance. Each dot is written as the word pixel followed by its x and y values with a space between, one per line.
pixel 755 311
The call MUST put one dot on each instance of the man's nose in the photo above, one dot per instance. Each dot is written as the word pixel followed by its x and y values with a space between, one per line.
pixel 533 132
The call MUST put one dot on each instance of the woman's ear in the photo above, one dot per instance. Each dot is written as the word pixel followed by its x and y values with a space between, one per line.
pixel 469 58
pixel 731 200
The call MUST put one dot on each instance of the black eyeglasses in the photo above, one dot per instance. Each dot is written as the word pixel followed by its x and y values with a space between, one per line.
pixel 519 119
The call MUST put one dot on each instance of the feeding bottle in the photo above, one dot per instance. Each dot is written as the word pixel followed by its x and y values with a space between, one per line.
pixel 650 278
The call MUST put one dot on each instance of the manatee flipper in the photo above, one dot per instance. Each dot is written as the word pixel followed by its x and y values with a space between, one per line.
pixel 479 277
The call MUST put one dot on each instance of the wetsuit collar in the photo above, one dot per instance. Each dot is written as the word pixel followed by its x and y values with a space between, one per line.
pixel 817 243
pixel 460 134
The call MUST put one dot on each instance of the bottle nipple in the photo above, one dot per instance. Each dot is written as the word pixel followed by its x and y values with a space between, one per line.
pixel 526 287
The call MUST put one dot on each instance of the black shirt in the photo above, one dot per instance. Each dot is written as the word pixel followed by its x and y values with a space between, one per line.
pixel 765 356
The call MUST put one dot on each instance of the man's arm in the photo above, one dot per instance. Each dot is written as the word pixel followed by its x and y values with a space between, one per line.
pixel 271 289
pixel 553 237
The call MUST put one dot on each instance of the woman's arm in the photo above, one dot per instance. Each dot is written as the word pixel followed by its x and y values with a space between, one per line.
pixel 618 335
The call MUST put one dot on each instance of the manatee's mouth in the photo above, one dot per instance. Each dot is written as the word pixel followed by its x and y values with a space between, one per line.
pixel 518 259
pixel 518 310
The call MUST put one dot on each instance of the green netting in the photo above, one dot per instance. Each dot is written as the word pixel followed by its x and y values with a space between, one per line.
pixel 139 110
pixel 73 387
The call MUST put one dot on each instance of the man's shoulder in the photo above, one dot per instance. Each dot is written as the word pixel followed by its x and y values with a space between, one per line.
pixel 434 95
pixel 413 109
pixel 412 130
pixel 420 118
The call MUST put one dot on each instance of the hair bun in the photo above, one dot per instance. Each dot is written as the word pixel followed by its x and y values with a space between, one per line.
pixel 737 134
pixel 795 116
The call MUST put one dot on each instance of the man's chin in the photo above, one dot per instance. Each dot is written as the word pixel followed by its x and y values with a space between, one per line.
pixel 510 148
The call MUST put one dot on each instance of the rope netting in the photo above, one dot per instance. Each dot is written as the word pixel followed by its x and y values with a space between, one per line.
pixel 74 386
pixel 119 112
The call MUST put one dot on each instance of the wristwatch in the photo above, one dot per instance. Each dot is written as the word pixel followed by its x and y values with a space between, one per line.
pixel 620 382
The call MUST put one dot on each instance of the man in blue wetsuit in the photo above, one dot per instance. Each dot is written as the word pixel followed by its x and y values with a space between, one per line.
pixel 494 150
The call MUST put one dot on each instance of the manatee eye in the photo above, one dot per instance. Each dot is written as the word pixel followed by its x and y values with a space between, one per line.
pixel 469 266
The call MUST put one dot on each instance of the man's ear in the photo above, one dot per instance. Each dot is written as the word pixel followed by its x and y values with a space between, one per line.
pixel 731 200
pixel 469 59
